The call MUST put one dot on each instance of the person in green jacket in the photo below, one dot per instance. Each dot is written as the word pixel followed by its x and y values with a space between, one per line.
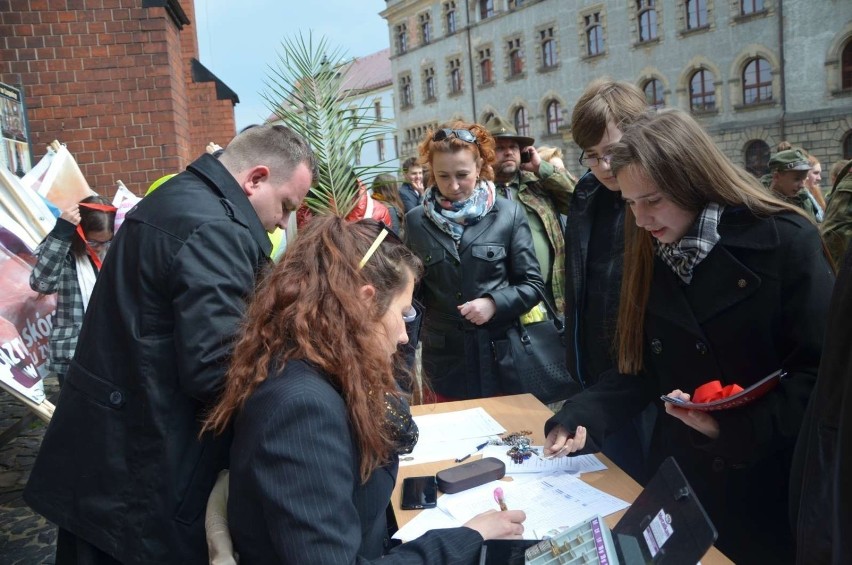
pixel 788 170
pixel 837 227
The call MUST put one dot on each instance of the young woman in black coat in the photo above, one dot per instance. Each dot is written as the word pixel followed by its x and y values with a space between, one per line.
pixel 722 281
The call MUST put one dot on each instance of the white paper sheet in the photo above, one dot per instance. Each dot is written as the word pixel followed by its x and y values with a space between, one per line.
pixel 576 465
pixel 462 424
pixel 425 452
pixel 431 519
pixel 550 502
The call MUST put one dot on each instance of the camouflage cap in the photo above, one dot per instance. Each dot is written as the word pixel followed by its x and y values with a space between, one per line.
pixel 789 160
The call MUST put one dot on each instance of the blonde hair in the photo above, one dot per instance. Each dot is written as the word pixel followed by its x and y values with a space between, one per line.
pixel 547 153
pixel 483 150
pixel 675 152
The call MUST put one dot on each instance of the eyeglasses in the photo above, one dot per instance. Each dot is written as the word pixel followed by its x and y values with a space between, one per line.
pixel 447 133
pixel 95 244
pixel 595 161
pixel 384 232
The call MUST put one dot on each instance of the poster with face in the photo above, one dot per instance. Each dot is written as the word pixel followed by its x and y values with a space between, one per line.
pixel 14 145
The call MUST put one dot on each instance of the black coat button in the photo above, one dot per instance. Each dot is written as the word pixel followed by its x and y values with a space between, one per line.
pixel 428 258
pixel 718 464
pixel 458 296
pixel 656 346
pixel 490 254
pixel 701 348
pixel 115 397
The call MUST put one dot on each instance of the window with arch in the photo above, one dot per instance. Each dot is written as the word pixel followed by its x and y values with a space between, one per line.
pixel 487 117
pixel 401 39
pixel 654 93
pixel 702 91
pixel 486 9
pixel 846 66
pixel 450 16
pixel 426 27
pixel 548 48
pixel 756 157
pixel 696 14
pixel 486 70
pixel 757 82
pixel 429 83
pixel 455 76
pixel 751 7
pixel 554 117
pixel 847 145
pixel 594 34
pixel 522 123
pixel 516 57
pixel 647 16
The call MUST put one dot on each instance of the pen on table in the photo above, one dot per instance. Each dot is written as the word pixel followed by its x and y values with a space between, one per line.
pixel 501 500
pixel 478 447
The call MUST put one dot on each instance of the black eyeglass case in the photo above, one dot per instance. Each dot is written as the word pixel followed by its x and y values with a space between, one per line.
pixel 469 475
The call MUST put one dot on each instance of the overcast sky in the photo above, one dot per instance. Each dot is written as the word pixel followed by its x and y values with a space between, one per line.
pixel 238 40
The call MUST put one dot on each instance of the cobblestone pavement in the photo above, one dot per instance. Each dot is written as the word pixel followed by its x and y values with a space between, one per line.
pixel 25 537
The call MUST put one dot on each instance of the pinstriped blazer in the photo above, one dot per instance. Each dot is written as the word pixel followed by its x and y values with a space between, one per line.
pixel 55 271
pixel 295 490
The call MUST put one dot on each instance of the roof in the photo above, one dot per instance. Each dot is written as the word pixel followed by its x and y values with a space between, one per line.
pixel 200 73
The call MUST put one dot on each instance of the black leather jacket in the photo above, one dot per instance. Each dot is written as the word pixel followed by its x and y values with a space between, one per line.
pixel 495 259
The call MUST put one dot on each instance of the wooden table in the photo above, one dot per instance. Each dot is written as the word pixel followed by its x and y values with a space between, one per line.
pixel 516 413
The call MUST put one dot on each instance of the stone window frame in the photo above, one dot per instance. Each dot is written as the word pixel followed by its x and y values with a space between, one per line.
pixel 450 15
pixel 521 128
pixel 736 84
pixel 406 93
pixel 738 15
pixel 454 69
pixel 545 33
pixel 598 12
pixel 514 43
pixel 485 58
pixel 428 74
pixel 401 38
pixel 834 63
pixel 682 11
pixel 485 9
pixel 560 122
pixel 662 92
pixel 704 94
pixel 846 66
pixel 638 9
pixel 424 23
pixel 760 85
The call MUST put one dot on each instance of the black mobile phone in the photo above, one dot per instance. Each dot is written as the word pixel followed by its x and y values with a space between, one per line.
pixel 526 156
pixel 419 492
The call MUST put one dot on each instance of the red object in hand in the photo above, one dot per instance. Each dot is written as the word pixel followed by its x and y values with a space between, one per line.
pixel 714 390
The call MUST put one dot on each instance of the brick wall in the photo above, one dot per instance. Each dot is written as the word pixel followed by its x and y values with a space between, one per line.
pixel 109 79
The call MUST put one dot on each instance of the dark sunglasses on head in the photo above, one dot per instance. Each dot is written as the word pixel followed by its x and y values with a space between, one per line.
pixel 447 133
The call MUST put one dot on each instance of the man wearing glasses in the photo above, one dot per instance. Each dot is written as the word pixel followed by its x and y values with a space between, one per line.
pixel 544 193
pixel 594 245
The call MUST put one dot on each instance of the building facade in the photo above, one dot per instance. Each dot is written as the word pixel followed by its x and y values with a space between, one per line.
pixel 118 82
pixel 754 72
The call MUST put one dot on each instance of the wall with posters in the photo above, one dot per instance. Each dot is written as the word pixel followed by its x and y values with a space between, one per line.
pixel 14 141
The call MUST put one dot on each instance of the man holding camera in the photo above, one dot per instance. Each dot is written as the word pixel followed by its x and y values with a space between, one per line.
pixel 520 174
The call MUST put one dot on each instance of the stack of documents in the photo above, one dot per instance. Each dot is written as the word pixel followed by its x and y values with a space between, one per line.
pixel 451 435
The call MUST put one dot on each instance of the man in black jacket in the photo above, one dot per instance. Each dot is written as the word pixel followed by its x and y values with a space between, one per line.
pixel 122 470
pixel 594 251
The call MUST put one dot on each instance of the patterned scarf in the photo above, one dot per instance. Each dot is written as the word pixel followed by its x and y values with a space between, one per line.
pixel 452 217
pixel 682 256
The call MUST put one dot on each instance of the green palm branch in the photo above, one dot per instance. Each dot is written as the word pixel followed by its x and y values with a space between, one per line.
pixel 305 90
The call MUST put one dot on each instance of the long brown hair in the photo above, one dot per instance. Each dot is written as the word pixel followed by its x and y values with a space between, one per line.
pixel 386 189
pixel 675 152
pixel 308 307
pixel 483 150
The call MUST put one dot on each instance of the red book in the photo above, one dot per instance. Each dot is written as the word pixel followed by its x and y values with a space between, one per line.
pixel 741 398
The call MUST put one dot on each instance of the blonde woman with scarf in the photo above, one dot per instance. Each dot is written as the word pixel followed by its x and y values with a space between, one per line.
pixel 67 263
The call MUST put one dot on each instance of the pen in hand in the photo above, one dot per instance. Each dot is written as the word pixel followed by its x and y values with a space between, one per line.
pixel 501 500
pixel 478 447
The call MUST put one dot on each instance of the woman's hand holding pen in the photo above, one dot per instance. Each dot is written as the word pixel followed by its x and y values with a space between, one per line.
pixel 560 441
pixel 499 524
pixel 698 420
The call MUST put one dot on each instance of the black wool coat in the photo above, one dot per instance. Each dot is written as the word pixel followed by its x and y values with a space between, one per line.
pixel 757 303
pixel 121 464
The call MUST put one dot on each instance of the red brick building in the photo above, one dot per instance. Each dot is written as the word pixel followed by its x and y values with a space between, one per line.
pixel 118 81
